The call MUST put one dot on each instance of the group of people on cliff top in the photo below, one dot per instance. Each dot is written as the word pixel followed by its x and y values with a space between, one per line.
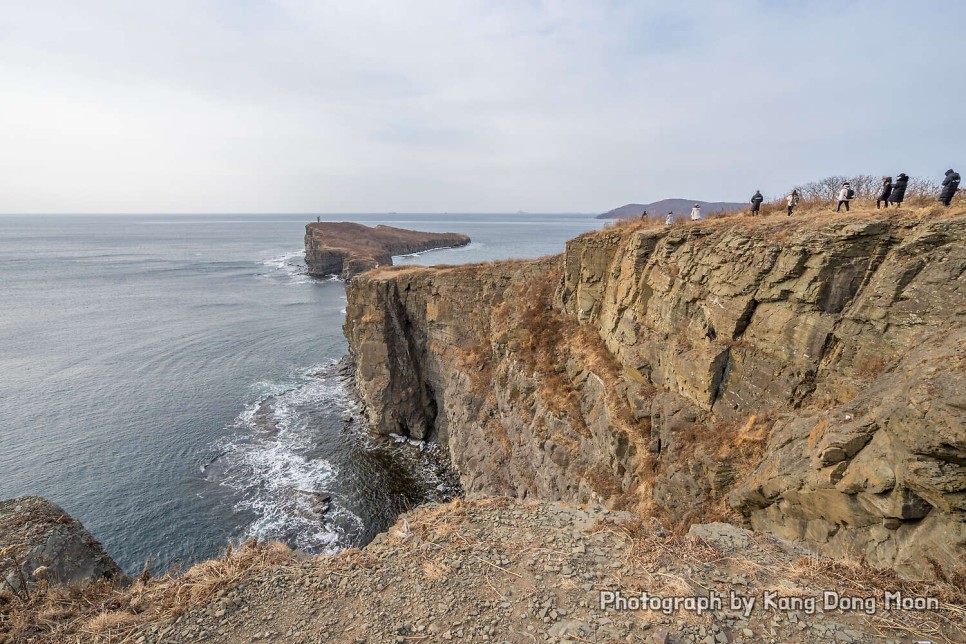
pixel 890 193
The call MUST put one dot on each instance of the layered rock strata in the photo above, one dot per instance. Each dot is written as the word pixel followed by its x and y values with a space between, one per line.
pixel 347 249
pixel 803 377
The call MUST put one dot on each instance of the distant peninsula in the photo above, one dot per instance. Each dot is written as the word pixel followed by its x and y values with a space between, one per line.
pixel 675 206
pixel 346 249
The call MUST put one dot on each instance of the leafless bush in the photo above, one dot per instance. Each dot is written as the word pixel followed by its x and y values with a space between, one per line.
pixel 922 187
pixel 866 187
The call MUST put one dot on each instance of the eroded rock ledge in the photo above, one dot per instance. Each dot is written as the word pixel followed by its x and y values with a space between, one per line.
pixel 347 249
pixel 802 377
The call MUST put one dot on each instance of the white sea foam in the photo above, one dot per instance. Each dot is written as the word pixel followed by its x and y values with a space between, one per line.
pixel 289 268
pixel 269 466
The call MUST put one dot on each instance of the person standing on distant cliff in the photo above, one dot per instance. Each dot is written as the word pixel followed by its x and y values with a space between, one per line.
pixel 696 212
pixel 792 201
pixel 899 189
pixel 643 215
pixel 845 195
pixel 885 193
pixel 756 202
pixel 670 218
pixel 950 186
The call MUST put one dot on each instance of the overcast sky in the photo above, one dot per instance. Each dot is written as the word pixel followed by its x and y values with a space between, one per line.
pixel 462 106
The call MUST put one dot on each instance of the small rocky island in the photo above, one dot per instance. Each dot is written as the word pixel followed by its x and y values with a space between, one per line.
pixel 346 249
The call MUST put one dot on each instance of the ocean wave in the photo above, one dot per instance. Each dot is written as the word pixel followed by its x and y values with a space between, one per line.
pixel 288 268
pixel 271 467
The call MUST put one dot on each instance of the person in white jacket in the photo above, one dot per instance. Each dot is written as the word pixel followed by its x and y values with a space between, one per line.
pixel 670 218
pixel 845 194
pixel 792 200
pixel 696 212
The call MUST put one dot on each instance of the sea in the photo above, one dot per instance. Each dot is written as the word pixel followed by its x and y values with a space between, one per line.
pixel 174 381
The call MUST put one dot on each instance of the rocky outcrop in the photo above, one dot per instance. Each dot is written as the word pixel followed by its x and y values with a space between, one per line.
pixel 803 376
pixel 347 249
pixel 39 541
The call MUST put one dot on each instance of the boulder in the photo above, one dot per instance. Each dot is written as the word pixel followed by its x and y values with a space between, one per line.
pixel 40 541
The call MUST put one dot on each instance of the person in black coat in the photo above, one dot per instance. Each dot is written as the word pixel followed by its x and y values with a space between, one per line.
pixel 950 186
pixel 899 189
pixel 756 202
pixel 885 193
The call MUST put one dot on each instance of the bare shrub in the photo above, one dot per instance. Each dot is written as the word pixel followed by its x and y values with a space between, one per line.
pixel 866 186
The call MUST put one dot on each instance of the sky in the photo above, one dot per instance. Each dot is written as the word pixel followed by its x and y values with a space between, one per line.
pixel 309 106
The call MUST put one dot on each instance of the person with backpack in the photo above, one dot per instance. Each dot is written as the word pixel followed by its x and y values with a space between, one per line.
pixel 696 212
pixel 884 193
pixel 899 189
pixel 950 186
pixel 756 200
pixel 792 201
pixel 846 194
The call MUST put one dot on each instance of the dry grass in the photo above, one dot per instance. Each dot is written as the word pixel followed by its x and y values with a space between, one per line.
pixel 871 368
pixel 773 224
pixel 58 613
pixel 948 624
pixel 730 450
pixel 809 576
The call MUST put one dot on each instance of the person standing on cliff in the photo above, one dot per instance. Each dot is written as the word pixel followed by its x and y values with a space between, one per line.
pixel 756 200
pixel 792 201
pixel 670 218
pixel 885 193
pixel 643 215
pixel 696 212
pixel 950 186
pixel 846 194
pixel 899 189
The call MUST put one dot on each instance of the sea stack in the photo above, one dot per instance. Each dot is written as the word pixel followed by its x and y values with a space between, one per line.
pixel 347 249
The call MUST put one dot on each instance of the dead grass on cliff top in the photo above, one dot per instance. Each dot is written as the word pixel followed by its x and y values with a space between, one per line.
pixel 769 569
pixel 673 565
pixel 774 223
pixel 104 611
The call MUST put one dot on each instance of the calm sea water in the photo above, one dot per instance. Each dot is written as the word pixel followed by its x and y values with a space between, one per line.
pixel 169 380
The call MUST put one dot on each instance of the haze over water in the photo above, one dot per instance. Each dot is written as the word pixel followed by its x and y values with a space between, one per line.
pixel 168 380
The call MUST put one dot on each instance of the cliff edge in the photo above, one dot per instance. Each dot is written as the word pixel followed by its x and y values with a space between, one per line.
pixel 504 570
pixel 347 249
pixel 802 377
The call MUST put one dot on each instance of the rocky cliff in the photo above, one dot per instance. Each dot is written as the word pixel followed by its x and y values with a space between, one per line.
pixel 347 249
pixel 803 377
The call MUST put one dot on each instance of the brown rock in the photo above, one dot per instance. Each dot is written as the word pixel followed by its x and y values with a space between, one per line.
pixel 347 249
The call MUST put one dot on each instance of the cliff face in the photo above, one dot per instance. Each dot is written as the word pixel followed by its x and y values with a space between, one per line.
pixel 347 249
pixel 805 377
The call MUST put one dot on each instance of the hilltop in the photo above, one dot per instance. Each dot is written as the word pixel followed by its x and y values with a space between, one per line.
pixel 676 206
pixel 347 249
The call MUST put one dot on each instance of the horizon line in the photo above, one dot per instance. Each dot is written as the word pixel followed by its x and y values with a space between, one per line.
pixel 293 214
